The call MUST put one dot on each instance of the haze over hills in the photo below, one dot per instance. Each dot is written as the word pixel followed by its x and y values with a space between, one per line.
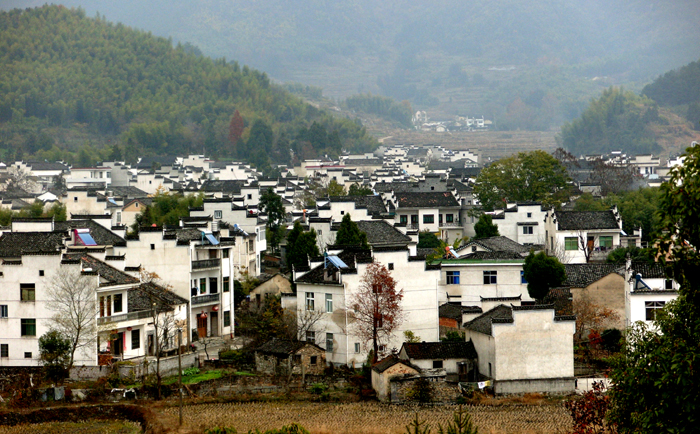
pixel 528 65
pixel 83 89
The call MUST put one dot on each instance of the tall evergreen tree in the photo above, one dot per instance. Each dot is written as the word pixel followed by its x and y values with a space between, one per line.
pixel 349 234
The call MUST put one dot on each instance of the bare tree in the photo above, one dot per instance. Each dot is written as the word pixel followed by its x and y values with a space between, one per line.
pixel 591 317
pixel 72 298
pixel 305 321
pixel 376 307
pixel 165 325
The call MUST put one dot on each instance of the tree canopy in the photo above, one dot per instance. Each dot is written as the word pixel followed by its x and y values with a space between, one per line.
pixel 485 227
pixel 376 307
pixel 300 246
pixel 526 176
pixel 655 380
pixel 349 234
pixel 107 83
pixel 271 204
pixel 542 273
pixel 359 190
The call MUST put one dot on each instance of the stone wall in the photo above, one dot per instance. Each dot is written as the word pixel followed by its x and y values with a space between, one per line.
pixel 168 366
pixel 553 386
pixel 442 391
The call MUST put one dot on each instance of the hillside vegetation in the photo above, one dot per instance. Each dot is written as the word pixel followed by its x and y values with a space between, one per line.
pixel 81 89
pixel 679 88
pixel 526 65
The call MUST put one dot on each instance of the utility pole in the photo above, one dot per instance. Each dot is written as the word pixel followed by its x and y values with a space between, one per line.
pixel 179 368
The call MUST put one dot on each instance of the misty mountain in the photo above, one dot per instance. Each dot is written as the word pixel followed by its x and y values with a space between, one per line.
pixel 525 64
pixel 71 84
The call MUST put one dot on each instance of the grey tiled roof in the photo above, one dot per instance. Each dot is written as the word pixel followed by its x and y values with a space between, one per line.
pixel 426 200
pixel 226 186
pixel 143 296
pixel 373 204
pixel 450 310
pixel 390 361
pixel 45 165
pixel 101 235
pixel 482 323
pixel 381 233
pixel 351 257
pixel 582 275
pixel 440 350
pixel 584 220
pixel 106 271
pixel 284 347
pixel 15 244
pixel 501 243
pixel 485 256
pixel 649 271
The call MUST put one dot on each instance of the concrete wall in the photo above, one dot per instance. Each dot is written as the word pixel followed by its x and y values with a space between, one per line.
pixel 608 292
pixel 471 286
pixel 168 367
pixel 553 386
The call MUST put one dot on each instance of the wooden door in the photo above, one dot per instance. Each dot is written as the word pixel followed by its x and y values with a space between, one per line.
pixel 201 325
pixel 214 323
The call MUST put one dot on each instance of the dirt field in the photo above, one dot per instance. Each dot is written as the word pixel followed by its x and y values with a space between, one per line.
pixel 373 418
pixel 92 427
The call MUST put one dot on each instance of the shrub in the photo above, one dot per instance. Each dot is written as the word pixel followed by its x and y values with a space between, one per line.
pixel 589 412
pixel 461 423
pixel 422 391
pixel 190 371
pixel 318 388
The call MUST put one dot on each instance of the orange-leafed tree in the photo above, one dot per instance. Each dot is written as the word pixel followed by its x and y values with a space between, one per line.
pixel 376 307
pixel 235 128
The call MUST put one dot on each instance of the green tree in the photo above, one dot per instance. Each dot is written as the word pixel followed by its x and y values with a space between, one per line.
pixel 656 383
pixel 271 204
pixel 349 234
pixel 636 254
pixel 335 189
pixel 57 211
pixel 359 190
pixel 300 246
pixel 55 355
pixel 485 227
pixel 527 176
pixel 428 240
pixel 542 273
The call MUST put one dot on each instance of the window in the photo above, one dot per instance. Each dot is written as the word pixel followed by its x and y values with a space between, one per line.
pixel 652 308
pixel 329 303
pixel 391 265
pixel 27 291
pixel 319 233
pixel 41 272
pixel 135 339
pixel 490 277
pixel 473 249
pixel 217 214
pixel 3 311
pixel 309 301
pixel 313 360
pixel 376 289
pixel 342 212
pixel 452 278
pixel 668 284
pixel 213 285
pixel 226 284
pixel 102 306
pixel 153 246
pixel 527 230
pixel 357 347
pixel 117 303
pixel 449 218
pixel 28 355
pixel 570 243
pixel 522 277
pixel 428 218
pixel 4 350
pixel 225 253
pixel 311 336
pixel 202 285
pixel 329 341
pixel 296 359
pixel 28 327
pixel 437 364
pixel 606 242
pixel 109 305
pixel 403 219
pixel 227 318
pixel 75 198
pixel 250 196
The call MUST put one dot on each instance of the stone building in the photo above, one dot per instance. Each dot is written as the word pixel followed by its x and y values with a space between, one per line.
pixel 282 357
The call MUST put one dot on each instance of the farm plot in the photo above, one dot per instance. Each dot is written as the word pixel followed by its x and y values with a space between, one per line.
pixel 87 427
pixel 374 418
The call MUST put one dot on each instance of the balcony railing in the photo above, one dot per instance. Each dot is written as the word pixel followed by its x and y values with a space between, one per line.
pixel 204 299
pixel 449 224
pixel 206 263
pixel 124 317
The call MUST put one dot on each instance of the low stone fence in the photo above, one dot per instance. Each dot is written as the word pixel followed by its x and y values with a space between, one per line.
pixel 442 391
pixel 138 368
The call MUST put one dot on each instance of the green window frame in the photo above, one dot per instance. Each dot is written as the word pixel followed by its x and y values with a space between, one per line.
pixel 28 327
pixel 606 241
pixel 570 243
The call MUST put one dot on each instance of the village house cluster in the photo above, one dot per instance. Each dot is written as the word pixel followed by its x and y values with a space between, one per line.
pixel 184 274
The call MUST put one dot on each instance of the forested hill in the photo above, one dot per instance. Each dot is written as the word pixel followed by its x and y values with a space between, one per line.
pixel 679 88
pixel 79 88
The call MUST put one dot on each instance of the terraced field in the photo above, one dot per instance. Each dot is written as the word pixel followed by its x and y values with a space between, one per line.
pixel 374 418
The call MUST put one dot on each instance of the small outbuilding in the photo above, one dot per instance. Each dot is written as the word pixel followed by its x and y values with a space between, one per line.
pixel 387 369
pixel 458 360
pixel 283 357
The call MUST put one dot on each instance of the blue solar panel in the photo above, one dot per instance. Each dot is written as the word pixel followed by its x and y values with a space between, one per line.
pixel 336 261
pixel 212 239
pixel 86 239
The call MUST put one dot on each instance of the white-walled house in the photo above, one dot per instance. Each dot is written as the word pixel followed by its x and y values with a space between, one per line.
pixel 525 349
pixel 522 222
pixel 582 236
pixel 436 212
pixel 327 289
pixel 649 291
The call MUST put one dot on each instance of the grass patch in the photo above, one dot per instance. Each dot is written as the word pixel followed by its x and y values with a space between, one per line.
pixel 196 378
